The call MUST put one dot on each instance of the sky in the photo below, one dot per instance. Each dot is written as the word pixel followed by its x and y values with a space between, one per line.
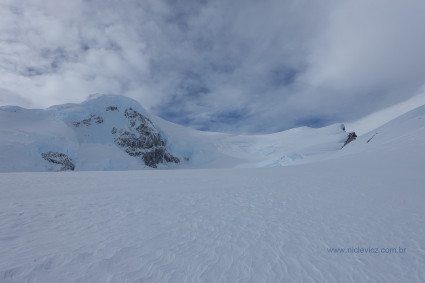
pixel 231 66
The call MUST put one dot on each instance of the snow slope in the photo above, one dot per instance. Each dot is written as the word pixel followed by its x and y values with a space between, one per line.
pixel 406 131
pixel 219 150
pixel 379 118
pixel 281 224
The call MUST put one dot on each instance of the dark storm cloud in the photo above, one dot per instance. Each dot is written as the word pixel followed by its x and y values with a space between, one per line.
pixel 243 66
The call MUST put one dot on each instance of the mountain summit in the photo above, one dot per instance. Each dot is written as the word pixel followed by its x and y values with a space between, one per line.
pixel 103 133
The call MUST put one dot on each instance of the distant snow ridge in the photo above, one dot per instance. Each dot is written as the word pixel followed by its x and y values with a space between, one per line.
pixel 111 132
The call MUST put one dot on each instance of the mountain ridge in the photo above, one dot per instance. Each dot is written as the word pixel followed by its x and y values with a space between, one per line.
pixel 110 132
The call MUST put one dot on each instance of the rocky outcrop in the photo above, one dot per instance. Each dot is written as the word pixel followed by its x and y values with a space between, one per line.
pixel 350 137
pixel 89 121
pixel 368 141
pixel 61 160
pixel 142 139
pixel 111 108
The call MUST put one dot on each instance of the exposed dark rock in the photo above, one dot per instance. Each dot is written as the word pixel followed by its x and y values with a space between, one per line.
pixel 350 137
pixel 142 140
pixel 371 137
pixel 98 120
pixel 61 159
pixel 88 121
pixel 170 158
pixel 111 108
pixel 153 157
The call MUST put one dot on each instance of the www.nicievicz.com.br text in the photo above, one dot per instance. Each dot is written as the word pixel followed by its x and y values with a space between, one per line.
pixel 369 250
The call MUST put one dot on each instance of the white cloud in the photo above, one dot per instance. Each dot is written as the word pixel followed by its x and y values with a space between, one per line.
pixel 243 66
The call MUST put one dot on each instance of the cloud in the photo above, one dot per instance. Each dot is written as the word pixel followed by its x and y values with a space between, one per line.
pixel 238 66
pixel 370 52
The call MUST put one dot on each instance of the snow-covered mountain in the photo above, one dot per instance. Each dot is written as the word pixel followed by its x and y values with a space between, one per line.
pixel 102 133
pixel 116 133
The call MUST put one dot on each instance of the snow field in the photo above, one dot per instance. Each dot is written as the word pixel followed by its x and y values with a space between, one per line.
pixel 232 225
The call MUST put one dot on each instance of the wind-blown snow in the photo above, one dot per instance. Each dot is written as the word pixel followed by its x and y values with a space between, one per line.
pixel 226 225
